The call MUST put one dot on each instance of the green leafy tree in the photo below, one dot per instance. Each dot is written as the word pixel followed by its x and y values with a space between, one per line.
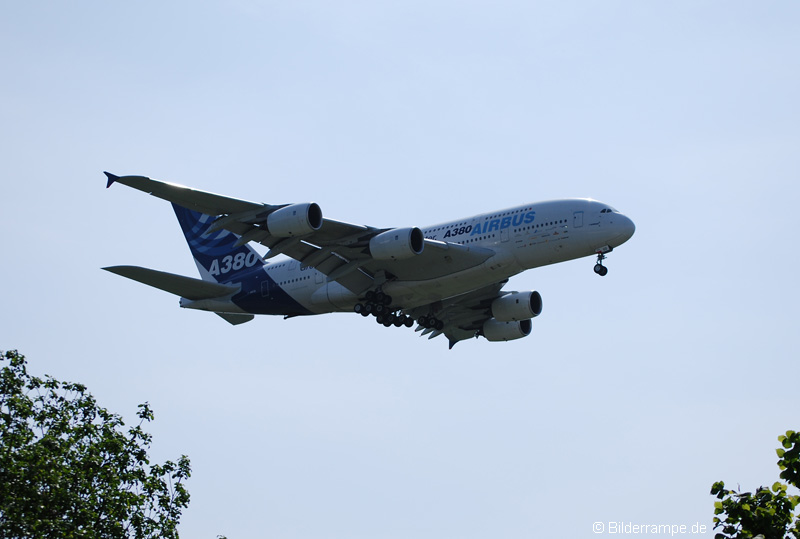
pixel 769 512
pixel 69 469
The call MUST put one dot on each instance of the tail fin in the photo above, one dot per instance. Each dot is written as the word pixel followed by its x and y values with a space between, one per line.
pixel 216 255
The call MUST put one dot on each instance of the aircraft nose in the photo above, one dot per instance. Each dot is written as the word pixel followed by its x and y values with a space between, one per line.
pixel 626 228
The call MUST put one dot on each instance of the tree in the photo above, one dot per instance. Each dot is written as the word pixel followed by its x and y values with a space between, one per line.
pixel 770 511
pixel 68 469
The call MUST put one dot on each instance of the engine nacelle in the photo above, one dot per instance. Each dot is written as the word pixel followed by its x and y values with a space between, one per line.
pixel 397 244
pixel 495 330
pixel 517 306
pixel 295 220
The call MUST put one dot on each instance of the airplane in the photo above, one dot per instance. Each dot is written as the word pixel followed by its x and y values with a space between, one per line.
pixel 448 278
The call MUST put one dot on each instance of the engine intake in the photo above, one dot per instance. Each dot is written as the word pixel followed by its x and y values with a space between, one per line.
pixel 517 306
pixel 397 244
pixel 295 220
pixel 495 330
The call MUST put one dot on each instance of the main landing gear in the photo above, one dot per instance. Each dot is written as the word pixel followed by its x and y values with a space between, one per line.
pixel 431 322
pixel 379 305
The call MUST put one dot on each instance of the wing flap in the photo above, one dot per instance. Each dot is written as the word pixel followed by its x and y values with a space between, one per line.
pixel 187 287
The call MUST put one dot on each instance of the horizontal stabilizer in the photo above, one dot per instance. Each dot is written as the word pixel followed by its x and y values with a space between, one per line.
pixel 187 287
pixel 236 319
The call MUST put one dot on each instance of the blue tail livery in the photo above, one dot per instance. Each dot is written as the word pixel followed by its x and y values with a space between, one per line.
pixel 216 254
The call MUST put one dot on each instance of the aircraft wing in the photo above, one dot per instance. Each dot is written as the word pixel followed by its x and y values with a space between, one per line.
pixel 338 249
pixel 463 315
pixel 201 201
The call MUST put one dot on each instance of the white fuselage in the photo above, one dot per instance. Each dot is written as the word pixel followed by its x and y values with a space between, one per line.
pixel 522 238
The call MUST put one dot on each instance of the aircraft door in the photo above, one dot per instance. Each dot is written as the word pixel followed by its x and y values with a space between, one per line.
pixel 577 219
pixel 504 235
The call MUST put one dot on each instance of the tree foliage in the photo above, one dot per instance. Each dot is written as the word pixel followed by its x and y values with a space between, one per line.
pixel 69 469
pixel 769 511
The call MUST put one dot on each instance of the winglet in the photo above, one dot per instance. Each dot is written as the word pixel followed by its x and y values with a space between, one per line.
pixel 111 179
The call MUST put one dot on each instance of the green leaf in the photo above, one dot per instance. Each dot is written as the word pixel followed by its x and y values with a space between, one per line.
pixel 62 454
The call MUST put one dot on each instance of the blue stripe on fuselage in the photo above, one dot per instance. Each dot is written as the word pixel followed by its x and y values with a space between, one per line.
pixel 260 294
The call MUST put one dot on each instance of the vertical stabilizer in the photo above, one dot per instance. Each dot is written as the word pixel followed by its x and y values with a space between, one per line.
pixel 215 253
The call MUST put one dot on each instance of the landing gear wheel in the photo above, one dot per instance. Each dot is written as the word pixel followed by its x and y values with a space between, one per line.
pixel 387 299
pixel 358 307
pixel 438 325
pixel 408 322
pixel 429 322
pixel 379 297
pixel 599 268
pixel 370 296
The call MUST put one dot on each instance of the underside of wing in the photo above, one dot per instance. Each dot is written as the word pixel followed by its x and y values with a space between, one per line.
pixel 436 260
pixel 336 249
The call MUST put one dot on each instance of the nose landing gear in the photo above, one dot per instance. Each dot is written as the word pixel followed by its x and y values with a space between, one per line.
pixel 599 268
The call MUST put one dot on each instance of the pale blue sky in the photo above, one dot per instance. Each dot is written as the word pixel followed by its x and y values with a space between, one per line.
pixel 634 393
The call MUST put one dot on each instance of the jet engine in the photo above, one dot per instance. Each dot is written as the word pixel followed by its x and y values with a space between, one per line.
pixel 295 220
pixel 397 244
pixel 517 306
pixel 495 330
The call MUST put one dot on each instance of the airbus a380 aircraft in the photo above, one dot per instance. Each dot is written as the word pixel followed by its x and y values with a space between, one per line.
pixel 448 278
